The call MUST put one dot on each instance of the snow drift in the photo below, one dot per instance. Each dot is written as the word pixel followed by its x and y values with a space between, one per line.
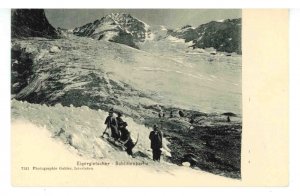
pixel 80 129
pixel 38 142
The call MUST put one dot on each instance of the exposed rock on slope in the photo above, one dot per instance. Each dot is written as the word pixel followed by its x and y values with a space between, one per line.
pixel 188 33
pixel 74 72
pixel 79 71
pixel 224 36
pixel 31 23
pixel 120 28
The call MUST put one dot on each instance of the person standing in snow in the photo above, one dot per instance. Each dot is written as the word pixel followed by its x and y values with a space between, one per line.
pixel 112 124
pixel 156 137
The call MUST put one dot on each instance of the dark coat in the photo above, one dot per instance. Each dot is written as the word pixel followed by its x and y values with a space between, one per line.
pixel 156 139
pixel 112 124
pixel 119 120
pixel 125 137
pixel 110 121
pixel 125 134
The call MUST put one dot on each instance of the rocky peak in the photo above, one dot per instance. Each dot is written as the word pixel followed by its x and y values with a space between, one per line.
pixel 120 17
pixel 223 35
pixel 116 27
pixel 31 23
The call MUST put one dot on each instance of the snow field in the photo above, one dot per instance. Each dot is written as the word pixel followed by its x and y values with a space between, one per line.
pixel 80 129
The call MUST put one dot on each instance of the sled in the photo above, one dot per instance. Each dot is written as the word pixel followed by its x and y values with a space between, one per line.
pixel 116 143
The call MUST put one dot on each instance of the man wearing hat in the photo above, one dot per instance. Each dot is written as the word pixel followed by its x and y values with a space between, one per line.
pixel 156 142
pixel 112 124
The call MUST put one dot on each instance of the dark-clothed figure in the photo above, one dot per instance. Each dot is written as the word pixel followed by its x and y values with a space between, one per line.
pixel 126 138
pixel 161 114
pixel 112 124
pixel 228 119
pixel 156 137
pixel 119 119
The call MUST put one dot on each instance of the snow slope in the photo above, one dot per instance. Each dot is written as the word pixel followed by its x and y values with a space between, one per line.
pixel 81 128
pixel 84 74
pixel 165 70
pixel 36 143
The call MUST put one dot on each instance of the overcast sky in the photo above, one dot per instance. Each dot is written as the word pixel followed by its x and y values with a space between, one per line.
pixel 172 18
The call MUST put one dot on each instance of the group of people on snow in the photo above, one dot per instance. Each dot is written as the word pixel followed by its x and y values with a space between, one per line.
pixel 119 132
pixel 118 129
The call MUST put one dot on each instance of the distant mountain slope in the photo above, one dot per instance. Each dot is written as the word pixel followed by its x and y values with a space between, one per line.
pixel 31 23
pixel 192 87
pixel 188 33
pixel 120 28
pixel 224 36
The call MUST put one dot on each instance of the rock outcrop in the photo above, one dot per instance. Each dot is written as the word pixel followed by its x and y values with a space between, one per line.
pixel 224 36
pixel 120 28
pixel 31 23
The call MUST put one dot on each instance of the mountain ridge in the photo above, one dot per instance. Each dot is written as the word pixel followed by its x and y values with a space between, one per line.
pixel 224 35
pixel 81 72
